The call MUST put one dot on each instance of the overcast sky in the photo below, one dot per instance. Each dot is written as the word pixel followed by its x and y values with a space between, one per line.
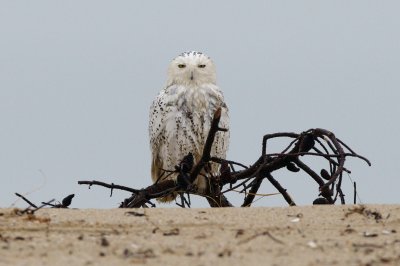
pixel 77 79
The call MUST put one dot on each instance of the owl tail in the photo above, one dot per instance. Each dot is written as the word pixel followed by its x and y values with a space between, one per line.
pixel 156 174
pixel 168 199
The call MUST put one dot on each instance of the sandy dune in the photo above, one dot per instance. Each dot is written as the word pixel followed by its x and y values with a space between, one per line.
pixel 313 235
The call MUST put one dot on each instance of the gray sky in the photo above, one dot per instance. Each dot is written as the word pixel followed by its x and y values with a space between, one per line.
pixel 77 79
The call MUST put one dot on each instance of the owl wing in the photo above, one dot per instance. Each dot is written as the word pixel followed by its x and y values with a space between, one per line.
pixel 156 116
pixel 221 143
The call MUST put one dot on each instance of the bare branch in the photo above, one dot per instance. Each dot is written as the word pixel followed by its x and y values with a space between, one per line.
pixel 250 177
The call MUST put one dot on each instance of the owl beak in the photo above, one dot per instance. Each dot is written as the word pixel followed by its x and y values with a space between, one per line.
pixel 191 75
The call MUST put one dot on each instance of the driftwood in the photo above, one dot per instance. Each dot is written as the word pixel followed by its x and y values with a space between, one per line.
pixel 64 204
pixel 313 142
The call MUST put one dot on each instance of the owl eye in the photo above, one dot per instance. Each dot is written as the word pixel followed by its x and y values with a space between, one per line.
pixel 181 65
pixel 201 66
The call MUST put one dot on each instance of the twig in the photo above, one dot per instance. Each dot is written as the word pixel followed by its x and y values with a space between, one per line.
pixel 355 193
pixel 265 233
pixel 251 194
pixel 283 191
pixel 205 158
pixel 111 186
pixel 26 200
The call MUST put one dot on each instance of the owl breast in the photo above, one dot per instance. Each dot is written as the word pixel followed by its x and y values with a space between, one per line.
pixel 180 119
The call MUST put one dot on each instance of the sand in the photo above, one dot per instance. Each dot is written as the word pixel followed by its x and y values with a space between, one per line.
pixel 311 235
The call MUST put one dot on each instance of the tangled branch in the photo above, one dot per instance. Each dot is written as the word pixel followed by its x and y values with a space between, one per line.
pixel 311 143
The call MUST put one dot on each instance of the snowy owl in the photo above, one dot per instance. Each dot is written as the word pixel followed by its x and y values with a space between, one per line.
pixel 181 115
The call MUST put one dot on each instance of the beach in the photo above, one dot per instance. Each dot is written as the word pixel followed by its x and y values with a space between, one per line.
pixel 306 235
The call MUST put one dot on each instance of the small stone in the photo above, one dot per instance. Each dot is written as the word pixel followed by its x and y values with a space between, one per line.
pixel 104 242
pixel 368 234
pixel 312 244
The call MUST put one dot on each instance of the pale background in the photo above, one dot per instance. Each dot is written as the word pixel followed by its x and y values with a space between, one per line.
pixel 77 79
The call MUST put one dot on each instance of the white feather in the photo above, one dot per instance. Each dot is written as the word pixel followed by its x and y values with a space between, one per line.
pixel 181 115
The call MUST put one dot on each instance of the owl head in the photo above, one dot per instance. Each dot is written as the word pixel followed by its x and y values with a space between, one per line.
pixel 191 69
